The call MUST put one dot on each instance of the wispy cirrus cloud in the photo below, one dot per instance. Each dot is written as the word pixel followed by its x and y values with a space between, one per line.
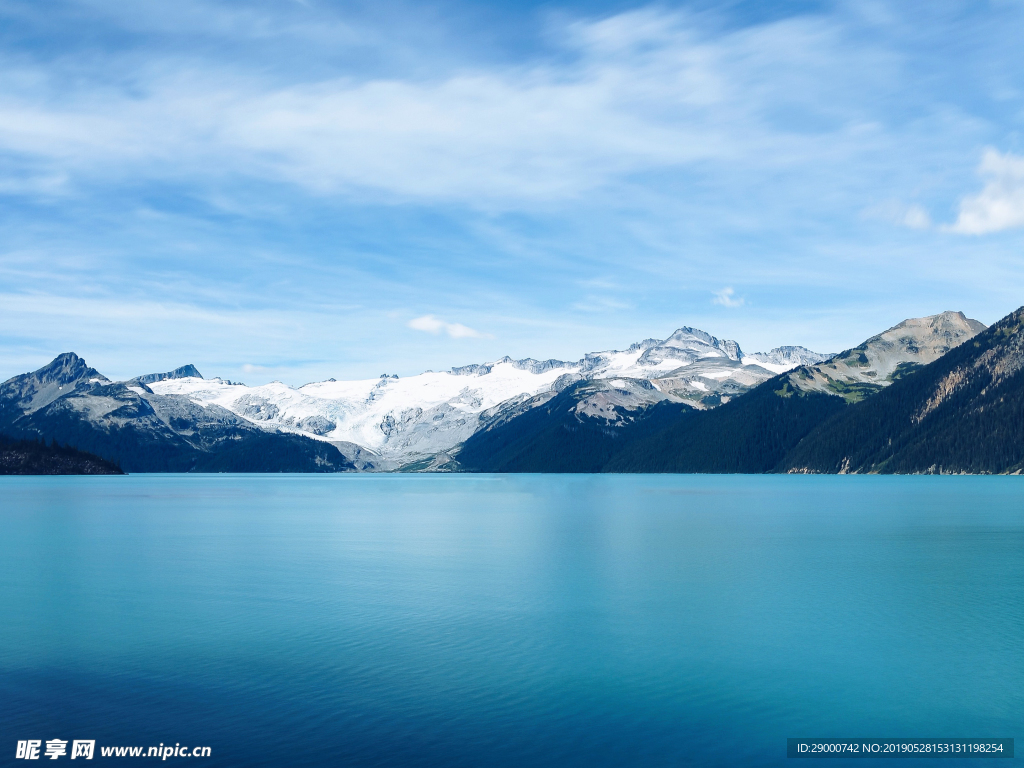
pixel 1000 205
pixel 601 304
pixel 434 325
pixel 913 216
pixel 643 90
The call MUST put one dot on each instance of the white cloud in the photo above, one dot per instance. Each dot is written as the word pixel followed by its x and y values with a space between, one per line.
pixel 431 324
pixel 916 217
pixel 1000 205
pixel 727 298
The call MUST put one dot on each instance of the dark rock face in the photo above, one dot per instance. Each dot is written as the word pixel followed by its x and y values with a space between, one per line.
pixel 35 390
pixel 256 408
pixel 318 425
pixel 66 369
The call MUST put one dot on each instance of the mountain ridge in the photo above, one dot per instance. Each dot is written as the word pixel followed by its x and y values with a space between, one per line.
pixel 689 402
pixel 142 431
pixel 962 413
pixel 752 433
pixel 881 359
pixel 407 420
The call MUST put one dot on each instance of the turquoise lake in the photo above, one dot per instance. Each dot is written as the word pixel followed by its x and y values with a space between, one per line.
pixel 480 620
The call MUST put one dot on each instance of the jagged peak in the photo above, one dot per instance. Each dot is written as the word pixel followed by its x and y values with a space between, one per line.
pixel 66 368
pixel 685 336
pixel 184 372
pixel 790 355
pixel 641 346
pixel 526 364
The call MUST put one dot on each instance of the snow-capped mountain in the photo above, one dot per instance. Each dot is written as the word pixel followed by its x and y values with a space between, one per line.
pixel 404 419
pixel 785 358
pixel 521 411
pixel 129 424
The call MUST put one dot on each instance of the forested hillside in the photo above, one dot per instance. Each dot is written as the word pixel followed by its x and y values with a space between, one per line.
pixel 34 457
pixel 962 413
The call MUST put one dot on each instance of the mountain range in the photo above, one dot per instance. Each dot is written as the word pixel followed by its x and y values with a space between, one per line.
pixel 914 398
pixel 392 422
pixel 750 433
pixel 129 424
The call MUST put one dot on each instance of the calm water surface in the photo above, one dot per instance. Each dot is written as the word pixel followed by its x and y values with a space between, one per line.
pixel 509 620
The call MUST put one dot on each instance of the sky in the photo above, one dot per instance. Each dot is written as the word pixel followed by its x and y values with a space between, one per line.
pixel 300 189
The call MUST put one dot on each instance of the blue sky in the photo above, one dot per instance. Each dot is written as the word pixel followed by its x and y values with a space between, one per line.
pixel 297 190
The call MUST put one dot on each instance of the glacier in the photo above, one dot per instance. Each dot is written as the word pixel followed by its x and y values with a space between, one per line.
pixel 387 422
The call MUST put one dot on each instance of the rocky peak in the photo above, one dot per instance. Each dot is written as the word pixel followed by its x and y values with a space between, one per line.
pixel 184 372
pixel 689 344
pixel 66 368
pixel 59 377
pixel 699 341
pixel 885 357
pixel 926 337
pixel 790 356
